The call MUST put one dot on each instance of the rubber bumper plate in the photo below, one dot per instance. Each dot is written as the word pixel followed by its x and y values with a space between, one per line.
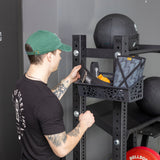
pixel 142 153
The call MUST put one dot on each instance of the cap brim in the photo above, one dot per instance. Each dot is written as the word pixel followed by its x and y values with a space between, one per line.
pixel 65 48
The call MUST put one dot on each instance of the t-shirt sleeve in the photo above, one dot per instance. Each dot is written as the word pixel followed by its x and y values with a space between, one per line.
pixel 50 116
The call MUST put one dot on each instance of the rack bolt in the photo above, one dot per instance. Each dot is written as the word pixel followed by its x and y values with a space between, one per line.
pixel 76 113
pixel 134 44
pixel 117 54
pixel 76 53
pixel 116 142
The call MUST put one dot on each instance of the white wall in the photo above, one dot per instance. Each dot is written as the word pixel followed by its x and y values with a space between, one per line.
pixel 39 15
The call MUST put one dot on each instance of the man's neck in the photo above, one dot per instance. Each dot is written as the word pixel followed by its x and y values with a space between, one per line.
pixel 38 72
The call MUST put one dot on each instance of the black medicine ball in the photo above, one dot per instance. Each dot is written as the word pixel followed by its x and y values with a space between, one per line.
pixel 115 25
pixel 150 103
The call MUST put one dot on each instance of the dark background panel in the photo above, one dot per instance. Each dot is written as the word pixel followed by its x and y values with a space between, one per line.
pixel 10 70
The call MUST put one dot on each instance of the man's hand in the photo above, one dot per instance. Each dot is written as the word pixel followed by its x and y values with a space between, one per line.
pixel 86 119
pixel 74 75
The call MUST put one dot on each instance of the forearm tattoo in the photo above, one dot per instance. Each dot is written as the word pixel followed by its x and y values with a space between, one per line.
pixel 60 89
pixel 61 138
pixel 74 132
pixel 57 139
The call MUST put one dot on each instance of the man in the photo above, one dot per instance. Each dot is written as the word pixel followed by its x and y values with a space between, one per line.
pixel 39 114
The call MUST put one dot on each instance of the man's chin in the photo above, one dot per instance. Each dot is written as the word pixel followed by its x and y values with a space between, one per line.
pixel 55 69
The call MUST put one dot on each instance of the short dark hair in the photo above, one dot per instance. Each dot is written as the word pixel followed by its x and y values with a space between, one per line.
pixel 34 59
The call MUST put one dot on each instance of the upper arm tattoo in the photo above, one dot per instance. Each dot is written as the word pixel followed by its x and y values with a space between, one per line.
pixel 60 89
pixel 57 139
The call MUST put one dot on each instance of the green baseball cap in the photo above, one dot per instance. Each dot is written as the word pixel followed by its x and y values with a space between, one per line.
pixel 44 41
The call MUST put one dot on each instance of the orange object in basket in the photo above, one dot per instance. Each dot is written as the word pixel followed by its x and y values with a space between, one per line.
pixel 105 79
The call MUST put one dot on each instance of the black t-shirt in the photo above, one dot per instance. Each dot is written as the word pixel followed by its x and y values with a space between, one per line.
pixel 38 113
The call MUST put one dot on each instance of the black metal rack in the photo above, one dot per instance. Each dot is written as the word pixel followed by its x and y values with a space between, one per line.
pixel 125 125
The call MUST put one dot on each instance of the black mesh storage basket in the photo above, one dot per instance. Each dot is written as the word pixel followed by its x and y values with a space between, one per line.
pixel 130 94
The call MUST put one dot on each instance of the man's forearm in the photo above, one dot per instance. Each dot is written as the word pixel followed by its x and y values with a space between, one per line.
pixel 74 137
pixel 61 88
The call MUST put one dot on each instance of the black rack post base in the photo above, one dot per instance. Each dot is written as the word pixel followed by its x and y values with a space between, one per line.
pixel 132 141
pixel 119 134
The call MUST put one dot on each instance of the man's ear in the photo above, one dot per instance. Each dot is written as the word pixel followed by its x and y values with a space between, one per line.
pixel 49 56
